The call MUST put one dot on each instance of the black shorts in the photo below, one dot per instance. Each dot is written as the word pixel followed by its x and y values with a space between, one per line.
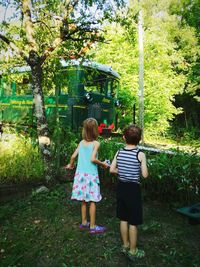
pixel 129 202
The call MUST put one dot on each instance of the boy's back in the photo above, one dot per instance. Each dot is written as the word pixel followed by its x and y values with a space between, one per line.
pixel 128 165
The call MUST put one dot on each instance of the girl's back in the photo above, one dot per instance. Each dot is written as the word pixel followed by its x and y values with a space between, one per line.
pixel 84 158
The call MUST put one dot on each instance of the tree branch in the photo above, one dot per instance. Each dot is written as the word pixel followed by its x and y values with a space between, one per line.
pixel 51 48
pixel 13 47
pixel 67 30
pixel 42 22
pixel 28 24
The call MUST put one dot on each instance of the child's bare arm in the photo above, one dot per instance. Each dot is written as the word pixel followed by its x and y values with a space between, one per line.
pixel 94 156
pixel 144 169
pixel 113 166
pixel 72 159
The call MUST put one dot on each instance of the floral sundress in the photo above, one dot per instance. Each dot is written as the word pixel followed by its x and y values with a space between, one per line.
pixel 86 186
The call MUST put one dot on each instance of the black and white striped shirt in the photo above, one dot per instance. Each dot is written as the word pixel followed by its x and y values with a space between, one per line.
pixel 128 165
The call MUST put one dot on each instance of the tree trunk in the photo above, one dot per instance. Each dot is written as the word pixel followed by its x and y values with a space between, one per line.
pixel 40 114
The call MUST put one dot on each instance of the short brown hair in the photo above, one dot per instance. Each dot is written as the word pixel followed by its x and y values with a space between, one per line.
pixel 132 134
pixel 90 129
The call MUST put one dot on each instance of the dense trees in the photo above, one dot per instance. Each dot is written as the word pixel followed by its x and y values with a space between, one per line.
pixel 171 60
pixel 188 40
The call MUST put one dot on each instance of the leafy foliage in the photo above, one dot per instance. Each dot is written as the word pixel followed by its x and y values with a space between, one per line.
pixel 171 50
pixel 20 161
pixel 76 22
pixel 174 177
pixel 160 81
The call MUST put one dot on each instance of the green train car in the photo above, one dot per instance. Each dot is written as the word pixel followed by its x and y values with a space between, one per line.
pixel 82 90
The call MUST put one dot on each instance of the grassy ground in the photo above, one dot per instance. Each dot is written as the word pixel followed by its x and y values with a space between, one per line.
pixel 42 231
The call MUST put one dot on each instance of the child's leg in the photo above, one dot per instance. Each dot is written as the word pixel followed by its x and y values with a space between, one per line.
pixel 133 237
pixel 84 212
pixel 124 233
pixel 92 214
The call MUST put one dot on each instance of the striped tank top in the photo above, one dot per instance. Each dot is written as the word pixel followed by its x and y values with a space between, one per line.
pixel 128 165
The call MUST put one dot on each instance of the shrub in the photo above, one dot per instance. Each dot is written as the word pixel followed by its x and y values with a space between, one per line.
pixel 174 177
pixel 108 148
pixel 63 144
pixel 20 161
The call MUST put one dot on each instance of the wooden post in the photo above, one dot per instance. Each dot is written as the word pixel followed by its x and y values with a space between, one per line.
pixel 134 114
pixel 141 72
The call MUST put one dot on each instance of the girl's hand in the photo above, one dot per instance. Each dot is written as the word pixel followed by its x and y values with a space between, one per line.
pixel 105 165
pixel 69 166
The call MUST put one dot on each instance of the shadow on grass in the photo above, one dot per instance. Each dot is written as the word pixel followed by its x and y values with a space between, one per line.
pixel 42 231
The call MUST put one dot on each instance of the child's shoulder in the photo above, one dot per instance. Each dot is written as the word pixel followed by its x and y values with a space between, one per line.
pixel 86 143
pixel 96 143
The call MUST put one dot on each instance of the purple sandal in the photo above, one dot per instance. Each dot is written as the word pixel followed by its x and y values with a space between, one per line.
pixel 97 230
pixel 84 226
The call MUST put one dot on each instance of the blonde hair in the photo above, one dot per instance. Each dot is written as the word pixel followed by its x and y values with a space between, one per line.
pixel 90 129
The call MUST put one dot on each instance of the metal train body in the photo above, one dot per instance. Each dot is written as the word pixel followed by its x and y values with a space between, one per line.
pixel 82 91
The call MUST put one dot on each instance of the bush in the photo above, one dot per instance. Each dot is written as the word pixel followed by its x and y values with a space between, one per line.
pixel 108 148
pixel 20 161
pixel 63 144
pixel 174 177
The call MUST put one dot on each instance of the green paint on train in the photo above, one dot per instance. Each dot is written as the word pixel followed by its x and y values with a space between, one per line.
pixel 82 90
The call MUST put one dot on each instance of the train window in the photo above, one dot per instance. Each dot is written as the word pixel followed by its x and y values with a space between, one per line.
pixel 90 88
pixel 64 88
pixel 102 84
pixel 7 88
pixel 95 82
pixel 90 81
pixel 70 82
pixel 109 90
pixel 23 84
pixel 62 81
pixel 115 85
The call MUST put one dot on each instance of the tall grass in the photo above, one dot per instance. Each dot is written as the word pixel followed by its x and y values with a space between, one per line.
pixel 20 161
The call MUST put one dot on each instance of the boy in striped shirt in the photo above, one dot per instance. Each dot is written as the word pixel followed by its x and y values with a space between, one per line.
pixel 130 163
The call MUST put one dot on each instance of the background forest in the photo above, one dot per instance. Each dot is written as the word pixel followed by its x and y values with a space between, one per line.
pixel 171 66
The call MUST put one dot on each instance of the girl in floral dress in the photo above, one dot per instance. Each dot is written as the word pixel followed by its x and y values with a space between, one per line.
pixel 86 186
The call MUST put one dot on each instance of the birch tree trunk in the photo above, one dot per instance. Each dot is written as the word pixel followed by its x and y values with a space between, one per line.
pixel 39 107
pixel 35 62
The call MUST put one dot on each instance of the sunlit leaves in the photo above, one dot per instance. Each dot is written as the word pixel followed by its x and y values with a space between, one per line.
pixel 76 22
